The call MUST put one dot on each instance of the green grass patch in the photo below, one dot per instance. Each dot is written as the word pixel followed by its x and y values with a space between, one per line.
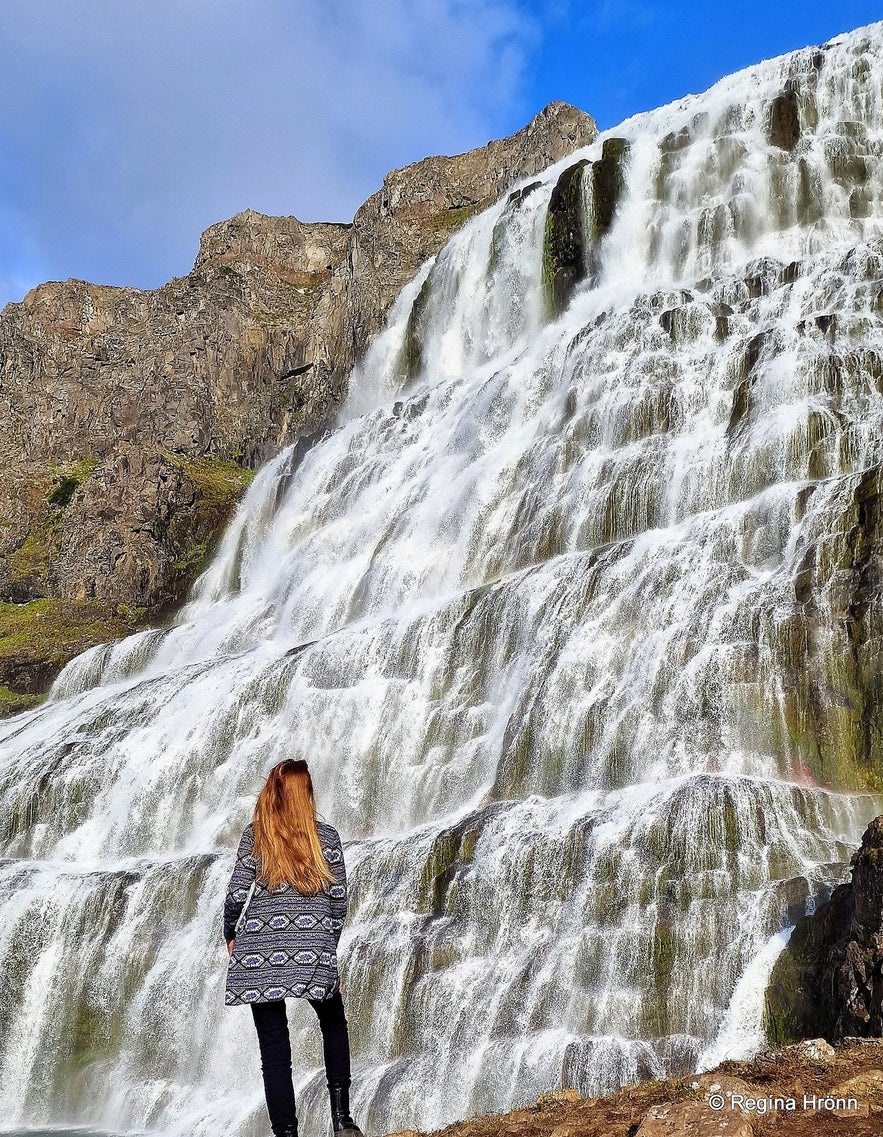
pixel 66 479
pixel 450 220
pixel 11 702
pixel 30 560
pixel 195 531
pixel 49 628
pixel 218 480
pixel 38 638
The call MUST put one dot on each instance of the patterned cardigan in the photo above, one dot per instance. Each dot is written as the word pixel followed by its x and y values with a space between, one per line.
pixel 287 945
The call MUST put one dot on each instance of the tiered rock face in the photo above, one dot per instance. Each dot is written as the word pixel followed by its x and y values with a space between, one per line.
pixel 828 981
pixel 133 419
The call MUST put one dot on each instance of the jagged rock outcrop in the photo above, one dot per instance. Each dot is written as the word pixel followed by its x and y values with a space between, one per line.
pixel 828 981
pixel 580 212
pixel 110 392
pixel 564 250
pixel 784 123
pixel 607 185
pixel 133 419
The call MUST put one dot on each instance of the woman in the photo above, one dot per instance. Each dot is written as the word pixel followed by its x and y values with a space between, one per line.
pixel 285 945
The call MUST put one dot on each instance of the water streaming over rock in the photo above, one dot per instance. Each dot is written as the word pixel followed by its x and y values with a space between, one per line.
pixel 574 617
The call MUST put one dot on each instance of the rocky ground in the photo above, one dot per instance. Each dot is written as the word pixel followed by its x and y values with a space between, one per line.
pixel 834 1090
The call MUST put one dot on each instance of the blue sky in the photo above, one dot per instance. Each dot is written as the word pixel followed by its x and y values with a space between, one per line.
pixel 127 127
pixel 616 57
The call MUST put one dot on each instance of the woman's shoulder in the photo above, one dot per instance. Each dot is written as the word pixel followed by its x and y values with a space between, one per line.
pixel 327 832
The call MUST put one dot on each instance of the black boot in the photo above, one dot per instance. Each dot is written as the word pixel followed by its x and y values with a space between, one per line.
pixel 340 1111
pixel 289 1130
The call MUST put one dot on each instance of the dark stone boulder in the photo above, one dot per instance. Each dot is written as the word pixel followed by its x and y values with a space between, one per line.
pixel 411 360
pixel 828 981
pixel 574 226
pixel 867 880
pixel 784 121
pixel 563 254
pixel 516 197
pixel 607 184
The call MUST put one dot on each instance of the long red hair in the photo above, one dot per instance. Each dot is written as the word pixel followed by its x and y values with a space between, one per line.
pixel 286 840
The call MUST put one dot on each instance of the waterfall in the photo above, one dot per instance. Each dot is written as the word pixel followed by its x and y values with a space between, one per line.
pixel 559 615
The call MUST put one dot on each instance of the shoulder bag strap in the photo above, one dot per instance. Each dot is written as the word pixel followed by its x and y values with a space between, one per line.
pixel 251 889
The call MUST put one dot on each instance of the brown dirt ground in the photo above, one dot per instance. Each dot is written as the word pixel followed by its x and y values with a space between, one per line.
pixel 786 1074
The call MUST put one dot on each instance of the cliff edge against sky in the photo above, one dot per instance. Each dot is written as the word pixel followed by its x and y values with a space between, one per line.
pixel 134 419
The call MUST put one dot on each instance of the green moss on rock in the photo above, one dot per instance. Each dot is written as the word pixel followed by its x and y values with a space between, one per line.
pixel 28 565
pixel 11 702
pixel 581 211
pixel 782 1022
pixel 41 629
pixel 450 220
pixel 196 528
pixel 38 638
pixel 411 358
pixel 832 710
pixel 49 492
pixel 66 481
pixel 565 239
pixel 218 480
pixel 607 185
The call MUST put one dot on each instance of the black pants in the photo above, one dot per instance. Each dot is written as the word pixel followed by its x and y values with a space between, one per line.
pixel 271 1022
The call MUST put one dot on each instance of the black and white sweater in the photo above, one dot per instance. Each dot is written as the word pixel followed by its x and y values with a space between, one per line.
pixel 286 946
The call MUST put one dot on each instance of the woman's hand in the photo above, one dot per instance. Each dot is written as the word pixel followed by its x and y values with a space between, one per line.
pixel 230 946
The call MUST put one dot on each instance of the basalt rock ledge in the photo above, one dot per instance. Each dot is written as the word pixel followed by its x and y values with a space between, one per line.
pixel 828 981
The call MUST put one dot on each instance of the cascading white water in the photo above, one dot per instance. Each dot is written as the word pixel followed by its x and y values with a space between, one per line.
pixel 536 612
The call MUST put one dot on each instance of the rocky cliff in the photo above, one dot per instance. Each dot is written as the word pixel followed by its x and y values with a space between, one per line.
pixel 829 979
pixel 133 419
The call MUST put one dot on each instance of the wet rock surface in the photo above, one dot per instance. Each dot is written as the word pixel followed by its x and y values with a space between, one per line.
pixel 829 978
pixel 580 212
pixel 784 123
pixel 565 238
pixel 607 184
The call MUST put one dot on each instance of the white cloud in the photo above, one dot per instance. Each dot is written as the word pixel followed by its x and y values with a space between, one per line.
pixel 127 127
